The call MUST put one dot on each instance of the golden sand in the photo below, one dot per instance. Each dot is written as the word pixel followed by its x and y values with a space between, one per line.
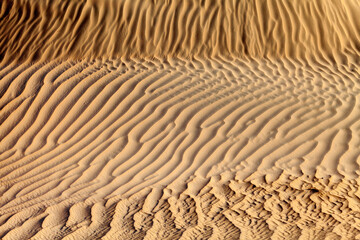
pixel 178 119
pixel 88 29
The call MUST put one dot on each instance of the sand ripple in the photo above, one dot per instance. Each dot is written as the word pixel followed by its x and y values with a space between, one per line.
pixel 66 29
pixel 74 134
pixel 182 119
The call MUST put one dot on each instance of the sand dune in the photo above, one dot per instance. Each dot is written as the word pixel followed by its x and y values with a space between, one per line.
pixel 78 29
pixel 179 119
pixel 86 132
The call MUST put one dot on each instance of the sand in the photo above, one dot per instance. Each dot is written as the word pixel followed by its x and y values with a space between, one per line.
pixel 179 119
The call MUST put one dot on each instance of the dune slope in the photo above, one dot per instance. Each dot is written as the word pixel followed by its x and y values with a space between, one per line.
pixel 79 134
pixel 37 29
pixel 178 119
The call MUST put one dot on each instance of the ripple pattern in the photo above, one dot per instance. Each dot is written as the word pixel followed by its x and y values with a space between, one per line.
pixel 83 138
pixel 47 30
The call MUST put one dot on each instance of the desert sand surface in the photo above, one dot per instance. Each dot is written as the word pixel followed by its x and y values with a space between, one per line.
pixel 196 119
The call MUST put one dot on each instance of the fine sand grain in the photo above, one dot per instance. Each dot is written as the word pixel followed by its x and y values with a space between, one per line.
pixel 179 119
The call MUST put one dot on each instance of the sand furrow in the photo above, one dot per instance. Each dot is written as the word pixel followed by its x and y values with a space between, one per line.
pixel 95 134
pixel 196 119
pixel 91 29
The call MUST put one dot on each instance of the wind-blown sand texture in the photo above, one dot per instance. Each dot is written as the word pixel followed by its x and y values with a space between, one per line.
pixel 179 119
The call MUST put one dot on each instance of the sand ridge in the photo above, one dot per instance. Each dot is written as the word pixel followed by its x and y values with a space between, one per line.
pixel 196 119
pixel 47 30
pixel 81 132
pixel 236 210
